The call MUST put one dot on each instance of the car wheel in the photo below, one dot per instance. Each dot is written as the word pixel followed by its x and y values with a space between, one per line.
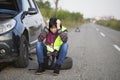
pixel 67 64
pixel 23 58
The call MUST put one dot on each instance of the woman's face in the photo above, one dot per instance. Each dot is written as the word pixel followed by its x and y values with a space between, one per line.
pixel 53 29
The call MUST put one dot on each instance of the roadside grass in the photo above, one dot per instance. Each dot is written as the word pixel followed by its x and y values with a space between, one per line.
pixel 69 24
pixel 114 24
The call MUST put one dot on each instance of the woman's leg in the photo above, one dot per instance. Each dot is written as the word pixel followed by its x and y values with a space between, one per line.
pixel 62 53
pixel 61 56
pixel 41 51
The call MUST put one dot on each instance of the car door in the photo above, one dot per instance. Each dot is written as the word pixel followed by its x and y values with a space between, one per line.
pixel 33 23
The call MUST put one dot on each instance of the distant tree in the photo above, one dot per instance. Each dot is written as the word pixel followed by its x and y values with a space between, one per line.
pixel 56 4
pixel 41 0
pixel 45 5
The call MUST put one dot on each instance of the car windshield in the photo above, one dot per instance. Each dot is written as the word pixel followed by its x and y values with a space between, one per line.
pixel 8 6
pixel 8 9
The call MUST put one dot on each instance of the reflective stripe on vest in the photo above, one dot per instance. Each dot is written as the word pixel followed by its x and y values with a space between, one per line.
pixel 50 48
pixel 58 42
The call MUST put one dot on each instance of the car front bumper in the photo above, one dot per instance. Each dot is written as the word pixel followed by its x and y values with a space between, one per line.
pixel 8 48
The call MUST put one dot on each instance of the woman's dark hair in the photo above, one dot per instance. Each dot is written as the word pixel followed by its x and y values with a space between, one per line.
pixel 52 22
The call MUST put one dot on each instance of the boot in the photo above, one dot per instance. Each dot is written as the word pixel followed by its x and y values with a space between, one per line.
pixel 40 69
pixel 57 69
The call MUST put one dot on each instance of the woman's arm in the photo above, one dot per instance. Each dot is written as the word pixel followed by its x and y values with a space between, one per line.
pixel 64 35
pixel 43 34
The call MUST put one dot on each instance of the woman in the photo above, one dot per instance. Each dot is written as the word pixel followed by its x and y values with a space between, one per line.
pixel 53 38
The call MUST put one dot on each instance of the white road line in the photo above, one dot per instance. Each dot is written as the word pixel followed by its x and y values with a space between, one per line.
pixel 116 47
pixel 97 29
pixel 102 34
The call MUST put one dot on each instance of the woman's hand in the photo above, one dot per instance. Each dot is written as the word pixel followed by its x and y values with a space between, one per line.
pixel 47 24
pixel 58 23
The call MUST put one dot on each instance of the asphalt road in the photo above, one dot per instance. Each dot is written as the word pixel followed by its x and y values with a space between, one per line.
pixel 95 51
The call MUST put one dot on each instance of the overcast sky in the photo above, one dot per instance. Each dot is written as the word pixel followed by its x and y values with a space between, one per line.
pixel 92 8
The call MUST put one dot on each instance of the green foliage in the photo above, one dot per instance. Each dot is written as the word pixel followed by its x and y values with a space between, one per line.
pixel 112 23
pixel 68 19
pixel 45 5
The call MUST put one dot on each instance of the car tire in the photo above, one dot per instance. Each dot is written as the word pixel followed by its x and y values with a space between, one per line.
pixel 77 30
pixel 67 64
pixel 23 58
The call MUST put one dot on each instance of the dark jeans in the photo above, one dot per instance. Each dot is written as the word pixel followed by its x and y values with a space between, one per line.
pixel 41 52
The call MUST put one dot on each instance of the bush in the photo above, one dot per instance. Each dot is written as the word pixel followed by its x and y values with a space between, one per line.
pixel 68 19
pixel 112 23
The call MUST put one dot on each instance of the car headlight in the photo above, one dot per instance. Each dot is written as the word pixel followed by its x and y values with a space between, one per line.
pixel 7 25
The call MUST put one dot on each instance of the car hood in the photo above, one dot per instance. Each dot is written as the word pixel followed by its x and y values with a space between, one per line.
pixel 6 14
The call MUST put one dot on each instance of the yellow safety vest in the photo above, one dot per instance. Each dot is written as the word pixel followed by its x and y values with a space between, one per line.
pixel 57 44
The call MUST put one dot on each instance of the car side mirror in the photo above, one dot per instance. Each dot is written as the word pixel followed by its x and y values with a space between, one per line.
pixel 32 11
